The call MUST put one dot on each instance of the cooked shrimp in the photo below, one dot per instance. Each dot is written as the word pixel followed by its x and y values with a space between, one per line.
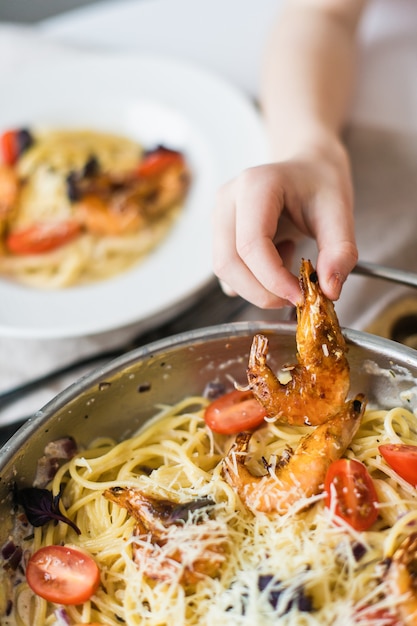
pixel 117 216
pixel 118 205
pixel 174 542
pixel 302 475
pixel 402 578
pixel 166 190
pixel 320 381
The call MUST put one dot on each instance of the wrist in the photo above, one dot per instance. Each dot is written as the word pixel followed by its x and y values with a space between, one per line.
pixel 320 143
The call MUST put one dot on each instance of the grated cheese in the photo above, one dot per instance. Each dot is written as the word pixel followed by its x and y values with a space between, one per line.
pixel 272 567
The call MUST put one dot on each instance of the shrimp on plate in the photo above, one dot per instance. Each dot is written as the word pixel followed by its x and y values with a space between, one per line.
pixel 302 474
pixel 320 380
pixel 173 542
pixel 114 205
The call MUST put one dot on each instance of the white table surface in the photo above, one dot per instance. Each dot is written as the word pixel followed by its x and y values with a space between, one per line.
pixel 228 36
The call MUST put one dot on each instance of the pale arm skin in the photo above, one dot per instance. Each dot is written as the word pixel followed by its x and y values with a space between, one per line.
pixel 306 85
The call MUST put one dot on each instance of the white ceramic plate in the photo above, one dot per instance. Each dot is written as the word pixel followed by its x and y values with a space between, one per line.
pixel 153 100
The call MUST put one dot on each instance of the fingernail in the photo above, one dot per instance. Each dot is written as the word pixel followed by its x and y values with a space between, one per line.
pixel 336 283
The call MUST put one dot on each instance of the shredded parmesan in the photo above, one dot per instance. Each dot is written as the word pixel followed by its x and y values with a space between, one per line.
pixel 303 568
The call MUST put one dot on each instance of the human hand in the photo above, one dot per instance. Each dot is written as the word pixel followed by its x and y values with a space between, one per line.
pixel 260 215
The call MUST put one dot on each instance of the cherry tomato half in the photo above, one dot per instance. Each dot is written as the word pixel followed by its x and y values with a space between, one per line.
pixel 234 412
pixel 13 143
pixel 350 485
pixel 9 147
pixel 62 574
pixel 402 458
pixel 42 237
pixel 158 161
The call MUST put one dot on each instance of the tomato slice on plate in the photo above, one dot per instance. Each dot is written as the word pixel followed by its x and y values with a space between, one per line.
pixel 402 458
pixel 351 491
pixel 234 412
pixel 9 146
pixel 42 237
pixel 62 575
pixel 159 161
pixel 13 143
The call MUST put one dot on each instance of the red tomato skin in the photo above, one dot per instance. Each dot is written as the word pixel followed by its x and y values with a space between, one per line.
pixel 9 147
pixel 349 482
pixel 62 575
pixel 158 161
pixel 234 412
pixel 402 458
pixel 378 616
pixel 42 237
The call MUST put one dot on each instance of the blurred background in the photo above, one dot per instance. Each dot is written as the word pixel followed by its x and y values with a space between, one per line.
pixel 27 11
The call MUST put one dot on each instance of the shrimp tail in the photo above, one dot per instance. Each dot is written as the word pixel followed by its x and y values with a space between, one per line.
pixel 262 380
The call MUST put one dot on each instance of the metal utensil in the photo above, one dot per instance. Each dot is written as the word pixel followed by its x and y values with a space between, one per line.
pixel 376 270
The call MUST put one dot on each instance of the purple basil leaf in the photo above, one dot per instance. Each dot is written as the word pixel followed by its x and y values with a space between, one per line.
pixel 214 390
pixel 41 507
pixel 180 512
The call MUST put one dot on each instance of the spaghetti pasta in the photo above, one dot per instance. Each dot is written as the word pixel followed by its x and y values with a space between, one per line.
pixel 297 569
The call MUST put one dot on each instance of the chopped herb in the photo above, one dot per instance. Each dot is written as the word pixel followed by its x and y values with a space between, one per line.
pixel 302 601
pixel 12 554
pixel 180 512
pixel 91 167
pixel 358 550
pixel 214 390
pixel 41 507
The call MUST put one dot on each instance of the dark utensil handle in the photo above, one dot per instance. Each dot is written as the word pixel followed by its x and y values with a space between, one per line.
pixel 213 308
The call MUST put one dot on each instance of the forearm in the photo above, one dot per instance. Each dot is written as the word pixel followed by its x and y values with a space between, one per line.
pixel 308 74
pixel 307 189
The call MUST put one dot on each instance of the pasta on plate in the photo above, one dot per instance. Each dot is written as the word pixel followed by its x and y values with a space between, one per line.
pixel 302 568
pixel 80 205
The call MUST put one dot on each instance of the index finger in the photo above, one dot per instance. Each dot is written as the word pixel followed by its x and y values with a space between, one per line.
pixel 258 210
